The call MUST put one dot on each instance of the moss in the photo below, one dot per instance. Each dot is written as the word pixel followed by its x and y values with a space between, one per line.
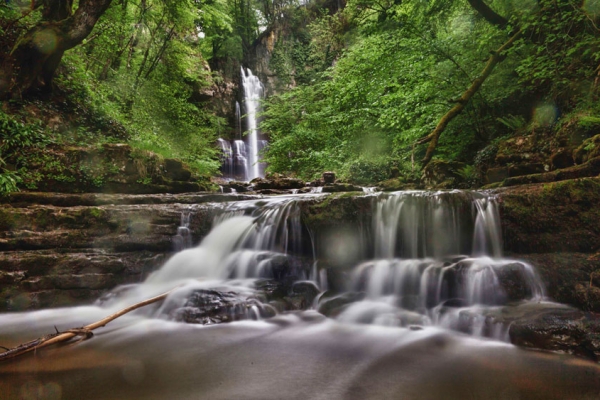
pixel 7 220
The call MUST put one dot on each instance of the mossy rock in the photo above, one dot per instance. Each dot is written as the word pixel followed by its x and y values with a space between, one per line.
pixel 588 150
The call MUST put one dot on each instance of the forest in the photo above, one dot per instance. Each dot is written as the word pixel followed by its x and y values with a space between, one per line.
pixel 300 199
pixel 372 90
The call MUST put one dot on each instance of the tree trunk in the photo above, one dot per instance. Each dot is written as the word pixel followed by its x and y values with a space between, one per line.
pixel 35 57
pixel 433 138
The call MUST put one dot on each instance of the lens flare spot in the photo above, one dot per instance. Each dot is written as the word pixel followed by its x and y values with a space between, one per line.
pixel 545 115
pixel 45 41
pixel 591 7
pixel 461 25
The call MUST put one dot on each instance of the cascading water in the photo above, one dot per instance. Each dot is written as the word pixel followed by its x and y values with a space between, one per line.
pixel 417 277
pixel 437 262
pixel 234 159
pixel 240 159
pixel 253 91
pixel 227 158
pixel 238 121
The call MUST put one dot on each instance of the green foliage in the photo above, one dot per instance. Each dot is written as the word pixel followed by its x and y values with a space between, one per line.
pixel 469 173
pixel 396 68
pixel 512 122
pixel 8 182
pixel 141 66
pixel 17 139
pixel 561 47
pixel 386 90
pixel 369 171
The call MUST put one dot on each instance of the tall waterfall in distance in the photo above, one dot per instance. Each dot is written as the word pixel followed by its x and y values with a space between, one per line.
pixel 253 91
pixel 238 121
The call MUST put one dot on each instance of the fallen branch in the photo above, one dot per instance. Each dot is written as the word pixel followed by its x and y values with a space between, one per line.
pixel 85 332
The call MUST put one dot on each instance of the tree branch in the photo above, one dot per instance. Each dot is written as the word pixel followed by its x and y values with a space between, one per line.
pixel 85 332
pixel 433 138
pixel 490 15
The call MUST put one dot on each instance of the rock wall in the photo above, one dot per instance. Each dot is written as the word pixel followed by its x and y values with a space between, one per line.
pixel 60 249
pixel 64 249
pixel 556 228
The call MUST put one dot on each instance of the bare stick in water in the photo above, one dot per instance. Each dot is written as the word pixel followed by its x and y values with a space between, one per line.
pixel 85 332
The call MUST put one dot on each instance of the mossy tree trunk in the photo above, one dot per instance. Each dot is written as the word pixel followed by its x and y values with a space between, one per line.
pixel 33 60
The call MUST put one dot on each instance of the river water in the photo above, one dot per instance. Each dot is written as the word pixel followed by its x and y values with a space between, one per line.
pixel 428 267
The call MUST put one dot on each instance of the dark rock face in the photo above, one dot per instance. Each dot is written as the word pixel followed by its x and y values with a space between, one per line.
pixel 588 150
pixel 176 171
pixel 328 177
pixel 340 187
pixel 559 217
pixel 63 254
pixel 48 278
pixel 112 168
pixel 561 159
pixel 563 330
pixel 442 174
pixel 209 307
pixel 277 183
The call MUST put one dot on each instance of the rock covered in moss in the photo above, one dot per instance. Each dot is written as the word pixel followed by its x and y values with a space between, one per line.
pixel 442 174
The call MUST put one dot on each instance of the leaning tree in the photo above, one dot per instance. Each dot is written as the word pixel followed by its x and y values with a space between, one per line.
pixel 33 60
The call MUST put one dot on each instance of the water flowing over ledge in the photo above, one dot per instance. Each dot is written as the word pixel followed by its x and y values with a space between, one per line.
pixel 424 266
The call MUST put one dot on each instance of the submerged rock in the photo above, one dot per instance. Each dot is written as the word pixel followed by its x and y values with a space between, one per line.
pixel 333 306
pixel 209 307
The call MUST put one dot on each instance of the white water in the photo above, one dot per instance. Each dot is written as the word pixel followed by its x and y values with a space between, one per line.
pixel 437 261
pixel 253 91
pixel 363 354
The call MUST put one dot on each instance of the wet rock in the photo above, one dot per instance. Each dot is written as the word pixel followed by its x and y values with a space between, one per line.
pixel 588 150
pixel 302 295
pixel 588 297
pixel 176 170
pixel 514 282
pixel 109 168
pixel 525 169
pixel 328 177
pixel 277 183
pixel 561 159
pixel 272 191
pixel 559 329
pixel 272 290
pixel 589 169
pixel 442 174
pixel 240 187
pixel 209 307
pixel 511 158
pixel 556 217
pixel 496 174
pixel 333 306
pixel 340 187
pixel 24 199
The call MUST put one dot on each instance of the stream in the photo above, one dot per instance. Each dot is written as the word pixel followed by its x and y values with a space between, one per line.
pixel 415 302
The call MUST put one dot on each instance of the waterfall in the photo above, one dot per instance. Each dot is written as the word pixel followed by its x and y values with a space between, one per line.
pixel 183 239
pixel 253 91
pixel 437 261
pixel 227 158
pixel 240 160
pixel 238 121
